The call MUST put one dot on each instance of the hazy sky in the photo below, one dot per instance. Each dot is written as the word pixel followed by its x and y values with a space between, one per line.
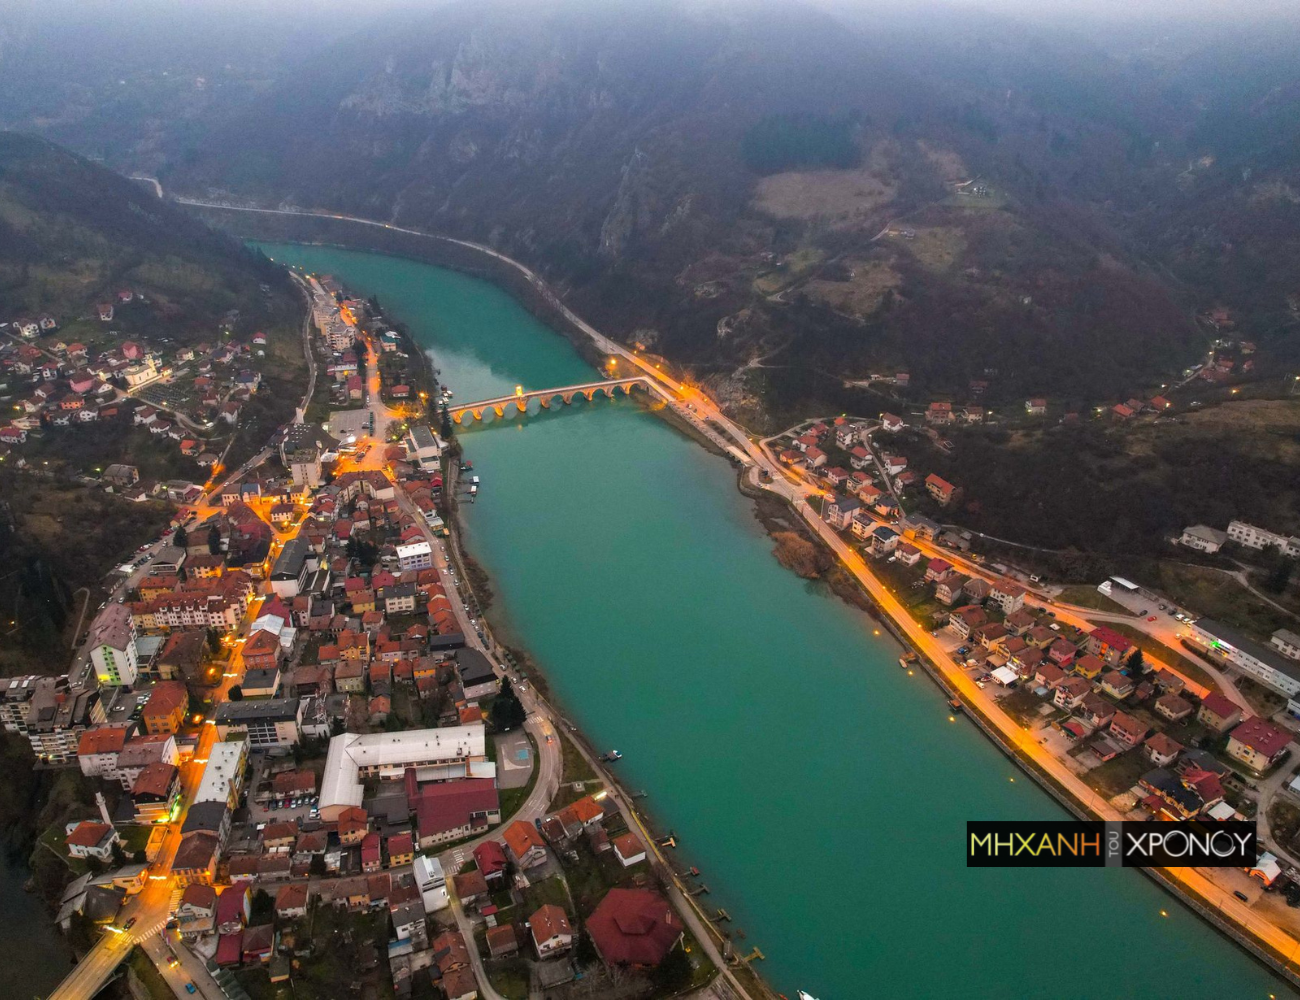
pixel 1173 11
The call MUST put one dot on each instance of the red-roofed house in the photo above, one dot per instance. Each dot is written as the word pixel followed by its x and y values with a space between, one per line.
pixel 1217 712
pixel 525 844
pixel 490 857
pixel 940 489
pixel 371 854
pixel 92 840
pixel 1108 644
pixel 634 927
pixel 1258 744
pixel 551 931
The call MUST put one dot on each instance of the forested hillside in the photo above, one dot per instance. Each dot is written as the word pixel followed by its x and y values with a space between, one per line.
pixel 826 192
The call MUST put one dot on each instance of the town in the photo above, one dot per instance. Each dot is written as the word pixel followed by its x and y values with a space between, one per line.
pixel 313 764
pixel 1160 712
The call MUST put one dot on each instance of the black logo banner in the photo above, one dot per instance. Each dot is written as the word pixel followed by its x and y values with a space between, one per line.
pixel 1097 844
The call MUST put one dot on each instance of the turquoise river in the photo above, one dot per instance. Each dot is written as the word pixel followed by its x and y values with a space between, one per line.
pixel 823 792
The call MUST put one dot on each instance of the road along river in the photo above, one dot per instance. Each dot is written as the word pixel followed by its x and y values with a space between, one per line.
pixel 822 790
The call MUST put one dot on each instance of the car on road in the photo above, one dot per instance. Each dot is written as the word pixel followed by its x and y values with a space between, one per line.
pixel 1153 618
pixel 173 961
pixel 1241 895
pixel 129 924
pixel 190 988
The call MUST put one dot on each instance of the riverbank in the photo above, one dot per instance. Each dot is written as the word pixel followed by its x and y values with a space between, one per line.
pixel 715 675
pixel 753 986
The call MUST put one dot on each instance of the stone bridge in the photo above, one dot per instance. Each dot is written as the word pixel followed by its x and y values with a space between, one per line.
pixel 518 402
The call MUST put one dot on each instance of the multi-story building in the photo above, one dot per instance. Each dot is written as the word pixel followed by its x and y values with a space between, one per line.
pixel 217 603
pixel 98 750
pixel 60 712
pixel 223 778
pixel 140 752
pixel 272 722
pixel 291 567
pixel 301 452
pixel 1010 597
pixel 164 712
pixel 16 702
pixel 1261 538
pixel 1269 667
pixel 112 647
pixel 416 555
pixel 1203 538
pixel 352 758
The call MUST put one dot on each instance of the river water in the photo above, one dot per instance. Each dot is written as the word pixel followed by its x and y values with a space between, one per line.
pixel 36 955
pixel 823 792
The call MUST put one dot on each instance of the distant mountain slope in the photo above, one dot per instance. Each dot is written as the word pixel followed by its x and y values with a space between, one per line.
pixel 714 180
pixel 73 234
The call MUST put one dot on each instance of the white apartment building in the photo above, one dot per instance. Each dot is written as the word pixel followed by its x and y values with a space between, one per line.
pixel 1261 538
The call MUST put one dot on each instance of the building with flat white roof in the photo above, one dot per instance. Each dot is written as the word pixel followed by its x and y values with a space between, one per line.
pixel 416 555
pixel 352 758
pixel 223 777
pixel 422 444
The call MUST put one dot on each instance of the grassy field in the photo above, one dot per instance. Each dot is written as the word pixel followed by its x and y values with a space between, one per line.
pixel 509 977
pixel 1118 775
pixel 1085 595
pixel 1217 595
pixel 798 264
pixel 1284 819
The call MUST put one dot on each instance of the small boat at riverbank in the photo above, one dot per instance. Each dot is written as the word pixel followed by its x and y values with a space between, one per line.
pixel 907 661
pixel 955 704
pixel 806 996
pixel 612 756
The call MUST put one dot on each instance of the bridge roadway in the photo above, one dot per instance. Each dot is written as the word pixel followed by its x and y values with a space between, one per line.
pixel 520 398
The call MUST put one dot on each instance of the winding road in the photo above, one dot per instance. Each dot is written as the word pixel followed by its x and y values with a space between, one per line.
pixel 766 473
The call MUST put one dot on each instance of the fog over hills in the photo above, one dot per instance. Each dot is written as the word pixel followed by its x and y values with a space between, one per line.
pixel 717 179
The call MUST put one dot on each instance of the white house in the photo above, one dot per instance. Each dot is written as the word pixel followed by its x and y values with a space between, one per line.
pixel 1203 538
pixel 629 850
pixel 550 930
pixel 89 839
pixel 1010 597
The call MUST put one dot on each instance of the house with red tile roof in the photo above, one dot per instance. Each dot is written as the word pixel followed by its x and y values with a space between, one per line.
pixel 490 857
pixel 92 840
pixel 1218 713
pixel 1258 744
pixel 551 931
pixel 635 928
pixel 1162 748
pixel 525 844
pixel 1127 729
